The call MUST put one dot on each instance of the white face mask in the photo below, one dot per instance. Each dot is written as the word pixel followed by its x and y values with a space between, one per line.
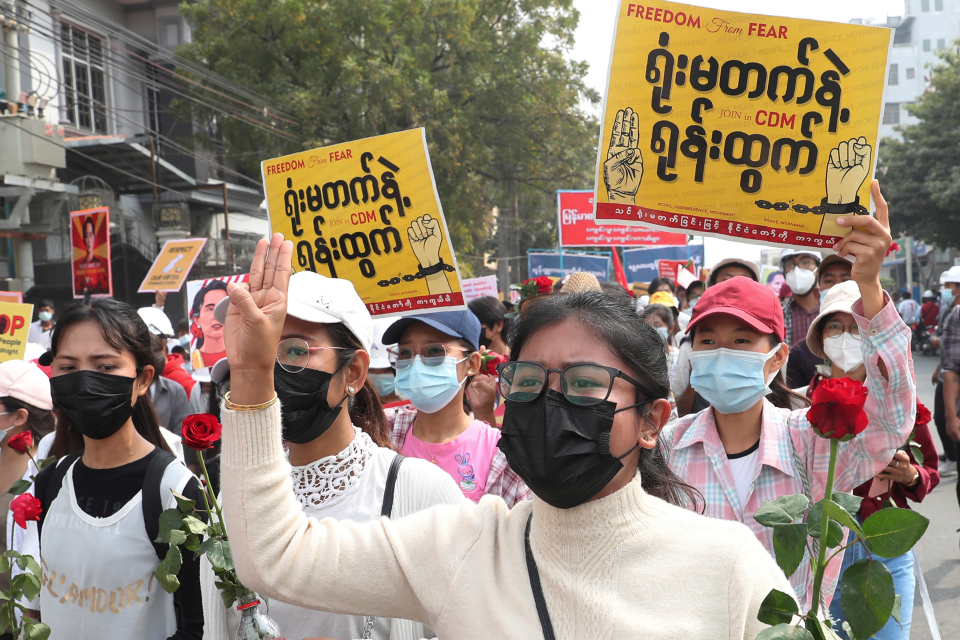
pixel 801 281
pixel 843 351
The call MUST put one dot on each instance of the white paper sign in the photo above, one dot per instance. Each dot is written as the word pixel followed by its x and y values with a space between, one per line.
pixel 474 288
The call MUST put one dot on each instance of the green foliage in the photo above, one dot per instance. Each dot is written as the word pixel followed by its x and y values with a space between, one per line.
pixel 25 586
pixel 892 532
pixel 20 486
pixel 489 80
pixel 867 596
pixel 848 502
pixel 788 546
pixel 920 175
pixel 778 607
pixel 168 569
pixel 814 520
pixel 785 632
pixel 783 510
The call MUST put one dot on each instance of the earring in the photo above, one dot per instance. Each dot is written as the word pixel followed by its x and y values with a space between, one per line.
pixel 646 438
pixel 350 390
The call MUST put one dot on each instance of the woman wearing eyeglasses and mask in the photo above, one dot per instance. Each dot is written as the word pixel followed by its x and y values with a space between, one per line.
pixel 601 550
pixel 338 442
pixel 435 355
pixel 746 449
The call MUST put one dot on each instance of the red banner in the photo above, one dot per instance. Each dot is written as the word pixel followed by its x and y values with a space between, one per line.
pixel 578 229
pixel 90 236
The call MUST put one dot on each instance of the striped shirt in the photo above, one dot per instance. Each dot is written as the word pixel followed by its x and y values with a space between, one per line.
pixel 697 455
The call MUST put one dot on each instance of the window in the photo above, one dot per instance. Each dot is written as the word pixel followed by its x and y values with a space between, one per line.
pixel 911 73
pixel 938 5
pixel 891 113
pixel 941 43
pixel 83 79
pixel 893 76
pixel 926 45
pixel 924 5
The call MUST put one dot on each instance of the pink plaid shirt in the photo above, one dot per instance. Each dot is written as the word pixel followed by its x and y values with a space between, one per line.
pixel 698 456
pixel 501 480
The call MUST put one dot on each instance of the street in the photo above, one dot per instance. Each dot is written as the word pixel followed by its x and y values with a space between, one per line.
pixel 938 549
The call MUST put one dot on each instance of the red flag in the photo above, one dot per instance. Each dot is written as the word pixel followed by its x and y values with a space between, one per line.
pixel 618 270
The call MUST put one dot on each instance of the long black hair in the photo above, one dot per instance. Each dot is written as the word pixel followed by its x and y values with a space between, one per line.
pixel 615 322
pixel 216 285
pixel 123 330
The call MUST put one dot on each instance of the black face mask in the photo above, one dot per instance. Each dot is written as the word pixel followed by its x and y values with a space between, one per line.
pixel 303 403
pixel 97 404
pixel 484 340
pixel 561 450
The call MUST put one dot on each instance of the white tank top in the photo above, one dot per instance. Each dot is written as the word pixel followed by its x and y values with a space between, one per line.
pixel 97 573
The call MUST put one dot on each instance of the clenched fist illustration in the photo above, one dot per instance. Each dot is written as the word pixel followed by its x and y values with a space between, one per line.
pixel 425 240
pixel 623 169
pixel 847 169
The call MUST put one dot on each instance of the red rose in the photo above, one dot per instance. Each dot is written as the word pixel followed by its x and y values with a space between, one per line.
pixel 489 361
pixel 893 248
pixel 923 414
pixel 200 431
pixel 544 284
pixel 837 411
pixel 21 443
pixel 25 507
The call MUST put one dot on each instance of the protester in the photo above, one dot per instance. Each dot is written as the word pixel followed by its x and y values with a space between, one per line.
pixel 170 401
pixel 929 310
pixel 25 407
pixel 802 364
pixel 208 348
pixel 800 273
pixel 175 369
pixel 745 449
pixel 909 309
pixel 661 284
pixel 338 442
pixel 106 495
pixel 493 322
pixel 381 373
pixel 731 268
pixel 435 356
pixel 200 394
pixel 947 339
pixel 835 335
pixel 602 536
pixel 661 314
pixel 39 332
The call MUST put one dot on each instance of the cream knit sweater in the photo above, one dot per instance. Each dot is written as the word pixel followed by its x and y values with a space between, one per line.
pixel 625 566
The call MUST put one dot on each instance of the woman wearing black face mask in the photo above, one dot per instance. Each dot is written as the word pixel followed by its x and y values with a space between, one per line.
pixel 101 504
pixel 338 442
pixel 599 552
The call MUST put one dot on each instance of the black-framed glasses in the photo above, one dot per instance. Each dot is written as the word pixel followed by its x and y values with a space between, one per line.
pixel 293 354
pixel 584 384
pixel 432 355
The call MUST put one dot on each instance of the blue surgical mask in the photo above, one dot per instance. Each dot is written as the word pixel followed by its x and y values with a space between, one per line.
pixel 663 333
pixel 731 380
pixel 946 298
pixel 45 316
pixel 384 383
pixel 429 388
pixel 823 294
pixel 185 341
pixel 693 302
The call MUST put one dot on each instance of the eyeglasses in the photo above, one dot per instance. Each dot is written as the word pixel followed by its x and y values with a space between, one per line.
pixel 836 328
pixel 293 354
pixel 432 355
pixel 804 263
pixel 582 384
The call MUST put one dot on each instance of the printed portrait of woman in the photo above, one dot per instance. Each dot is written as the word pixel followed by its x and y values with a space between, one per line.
pixel 209 347
pixel 91 265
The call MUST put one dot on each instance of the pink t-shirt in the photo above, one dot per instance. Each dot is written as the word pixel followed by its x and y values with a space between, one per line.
pixel 467 458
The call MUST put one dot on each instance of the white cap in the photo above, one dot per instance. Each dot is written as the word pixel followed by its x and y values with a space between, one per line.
pixel 26 382
pixel 928 294
pixel 786 253
pixel 950 275
pixel 312 297
pixel 157 321
pixel 840 298
pixel 378 351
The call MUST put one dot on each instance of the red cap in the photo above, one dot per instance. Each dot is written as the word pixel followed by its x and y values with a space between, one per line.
pixel 745 299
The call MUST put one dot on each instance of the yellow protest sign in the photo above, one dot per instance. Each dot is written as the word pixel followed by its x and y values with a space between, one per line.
pixel 172 266
pixel 367 211
pixel 14 327
pixel 730 124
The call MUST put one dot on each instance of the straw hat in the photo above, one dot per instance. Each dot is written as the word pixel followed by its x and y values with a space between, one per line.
pixel 580 282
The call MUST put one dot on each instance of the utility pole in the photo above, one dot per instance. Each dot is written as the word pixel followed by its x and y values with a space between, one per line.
pixel 909 257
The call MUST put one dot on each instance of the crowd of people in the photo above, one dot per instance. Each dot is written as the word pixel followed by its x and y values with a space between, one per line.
pixel 380 478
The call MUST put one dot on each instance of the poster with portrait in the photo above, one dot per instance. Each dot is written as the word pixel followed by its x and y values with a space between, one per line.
pixel 759 128
pixel 90 236
pixel 206 334
pixel 367 211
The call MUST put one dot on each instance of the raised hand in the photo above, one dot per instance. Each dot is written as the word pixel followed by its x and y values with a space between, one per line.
pixel 623 169
pixel 868 241
pixel 848 167
pixel 425 240
pixel 255 320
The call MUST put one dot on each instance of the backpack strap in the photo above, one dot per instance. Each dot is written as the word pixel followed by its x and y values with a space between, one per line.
pixel 391 487
pixel 56 482
pixel 152 501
